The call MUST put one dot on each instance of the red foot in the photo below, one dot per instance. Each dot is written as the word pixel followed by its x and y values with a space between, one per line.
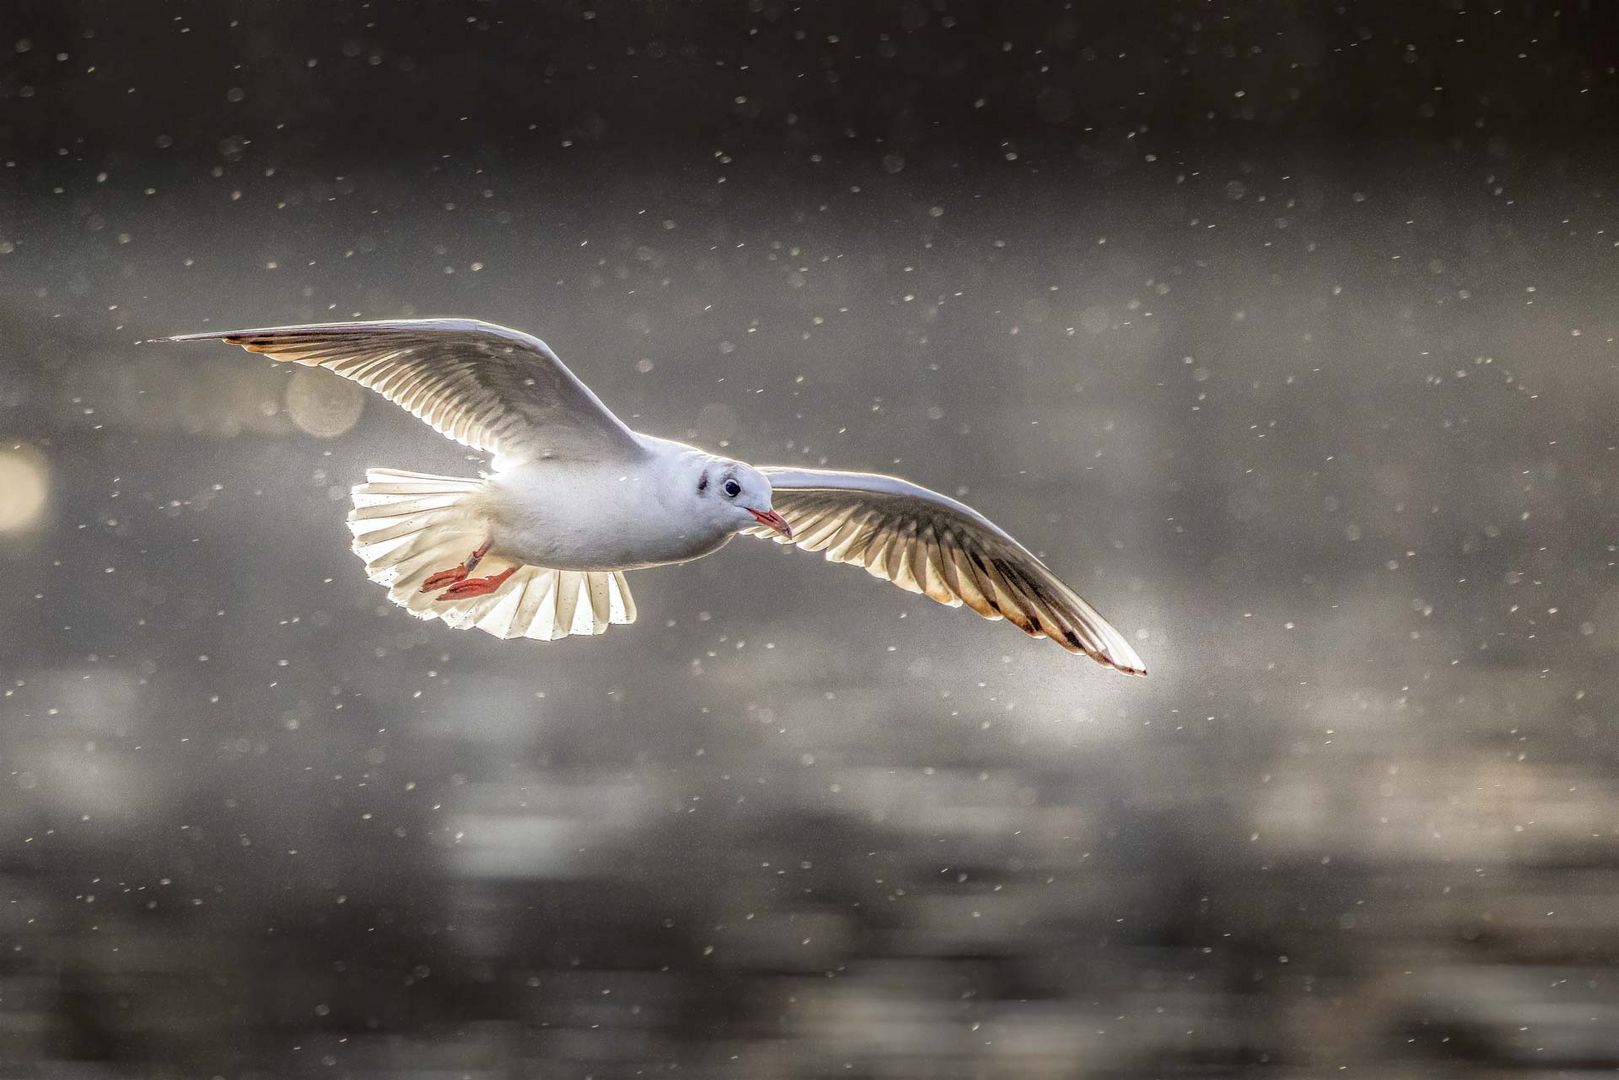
pixel 478 586
pixel 443 578
pixel 455 573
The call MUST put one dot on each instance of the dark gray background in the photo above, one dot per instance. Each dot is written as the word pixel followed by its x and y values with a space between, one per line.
pixel 1284 331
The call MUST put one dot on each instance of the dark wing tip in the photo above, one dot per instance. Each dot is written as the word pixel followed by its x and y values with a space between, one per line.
pixel 1074 644
pixel 228 336
pixel 251 340
pixel 1123 669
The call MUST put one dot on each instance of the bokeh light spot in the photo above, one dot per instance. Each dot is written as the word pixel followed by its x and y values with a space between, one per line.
pixel 323 406
pixel 24 484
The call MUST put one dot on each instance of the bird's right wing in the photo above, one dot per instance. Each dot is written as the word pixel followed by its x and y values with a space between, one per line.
pixel 496 390
pixel 929 543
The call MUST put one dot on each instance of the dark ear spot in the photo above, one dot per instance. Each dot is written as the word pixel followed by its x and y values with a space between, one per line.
pixel 702 481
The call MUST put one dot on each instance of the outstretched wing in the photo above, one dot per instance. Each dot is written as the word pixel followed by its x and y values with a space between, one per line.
pixel 496 390
pixel 931 544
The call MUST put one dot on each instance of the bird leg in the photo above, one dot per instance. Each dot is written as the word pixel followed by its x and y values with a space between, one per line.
pixel 456 573
pixel 477 586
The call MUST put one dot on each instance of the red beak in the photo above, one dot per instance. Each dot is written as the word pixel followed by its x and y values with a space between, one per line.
pixel 774 520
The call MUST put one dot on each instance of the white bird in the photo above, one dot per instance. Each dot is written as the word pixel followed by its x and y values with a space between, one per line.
pixel 574 498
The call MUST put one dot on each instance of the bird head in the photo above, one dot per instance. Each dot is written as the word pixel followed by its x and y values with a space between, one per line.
pixel 737 495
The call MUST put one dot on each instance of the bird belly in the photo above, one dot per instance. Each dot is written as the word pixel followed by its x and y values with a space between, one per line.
pixel 559 549
pixel 568 522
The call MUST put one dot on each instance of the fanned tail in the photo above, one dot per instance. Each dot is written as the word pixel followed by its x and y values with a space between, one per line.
pixel 408 526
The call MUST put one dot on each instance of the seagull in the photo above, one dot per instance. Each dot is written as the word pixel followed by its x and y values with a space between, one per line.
pixel 574 498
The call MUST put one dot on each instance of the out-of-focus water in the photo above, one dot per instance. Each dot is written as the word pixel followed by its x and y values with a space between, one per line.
pixel 1328 435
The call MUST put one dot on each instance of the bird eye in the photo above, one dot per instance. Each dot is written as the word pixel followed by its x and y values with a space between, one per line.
pixel 732 489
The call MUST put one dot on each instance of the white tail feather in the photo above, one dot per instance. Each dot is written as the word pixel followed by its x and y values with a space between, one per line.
pixel 408 526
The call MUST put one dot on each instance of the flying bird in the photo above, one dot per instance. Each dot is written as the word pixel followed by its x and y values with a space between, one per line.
pixel 538 547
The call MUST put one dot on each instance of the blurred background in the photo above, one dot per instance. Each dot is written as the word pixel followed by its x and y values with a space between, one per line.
pixel 1283 331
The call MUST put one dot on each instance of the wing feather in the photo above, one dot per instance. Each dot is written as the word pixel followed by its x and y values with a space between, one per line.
pixel 819 531
pixel 906 574
pixel 959 579
pixel 496 390
pixel 931 544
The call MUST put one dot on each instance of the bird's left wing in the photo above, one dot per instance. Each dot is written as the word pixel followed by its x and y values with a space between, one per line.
pixel 929 543
pixel 497 390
